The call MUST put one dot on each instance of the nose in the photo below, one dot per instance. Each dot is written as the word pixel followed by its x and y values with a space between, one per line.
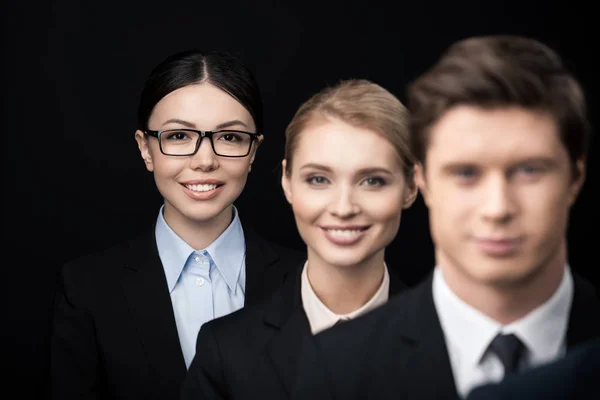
pixel 343 203
pixel 205 158
pixel 498 203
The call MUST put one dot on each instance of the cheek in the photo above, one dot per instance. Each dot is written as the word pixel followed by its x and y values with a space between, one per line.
pixel 166 167
pixel 450 211
pixel 452 202
pixel 308 205
pixel 236 170
pixel 384 208
pixel 545 212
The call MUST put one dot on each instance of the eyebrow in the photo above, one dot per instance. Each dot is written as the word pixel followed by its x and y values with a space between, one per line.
pixel 364 171
pixel 224 125
pixel 454 165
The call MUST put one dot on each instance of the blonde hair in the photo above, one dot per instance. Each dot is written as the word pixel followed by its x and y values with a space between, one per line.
pixel 360 103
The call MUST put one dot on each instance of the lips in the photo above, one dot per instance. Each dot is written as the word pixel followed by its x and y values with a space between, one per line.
pixel 204 185
pixel 205 189
pixel 344 235
pixel 499 247
pixel 202 188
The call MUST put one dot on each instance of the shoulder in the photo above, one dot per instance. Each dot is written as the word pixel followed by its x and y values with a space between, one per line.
pixel 233 333
pixel 259 241
pixel 100 265
pixel 377 326
pixel 238 320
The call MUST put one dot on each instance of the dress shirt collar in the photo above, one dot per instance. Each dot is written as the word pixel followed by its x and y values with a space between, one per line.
pixel 543 330
pixel 320 317
pixel 228 251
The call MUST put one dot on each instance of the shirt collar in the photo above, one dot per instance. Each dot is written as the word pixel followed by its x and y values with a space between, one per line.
pixel 465 328
pixel 227 252
pixel 320 317
pixel 542 330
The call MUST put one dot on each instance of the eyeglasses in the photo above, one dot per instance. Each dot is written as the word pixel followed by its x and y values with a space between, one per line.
pixel 186 142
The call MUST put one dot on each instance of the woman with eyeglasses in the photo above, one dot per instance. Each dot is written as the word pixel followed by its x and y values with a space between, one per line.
pixel 348 176
pixel 126 319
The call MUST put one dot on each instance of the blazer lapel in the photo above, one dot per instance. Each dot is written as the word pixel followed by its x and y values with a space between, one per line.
pixel 287 319
pixel 396 285
pixel 259 277
pixel 582 326
pixel 148 298
pixel 427 354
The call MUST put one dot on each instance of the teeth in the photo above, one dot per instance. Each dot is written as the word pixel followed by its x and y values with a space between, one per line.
pixel 345 233
pixel 201 188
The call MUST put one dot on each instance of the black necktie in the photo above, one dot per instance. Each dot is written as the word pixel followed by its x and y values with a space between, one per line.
pixel 509 349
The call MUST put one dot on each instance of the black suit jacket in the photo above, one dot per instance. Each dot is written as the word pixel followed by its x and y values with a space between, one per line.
pixel 252 353
pixel 398 351
pixel 573 377
pixel 114 332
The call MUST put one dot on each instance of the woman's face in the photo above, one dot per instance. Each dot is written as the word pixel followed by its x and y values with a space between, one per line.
pixel 347 191
pixel 199 188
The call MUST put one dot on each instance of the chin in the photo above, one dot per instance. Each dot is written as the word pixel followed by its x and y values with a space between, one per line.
pixel 202 213
pixel 343 259
pixel 505 274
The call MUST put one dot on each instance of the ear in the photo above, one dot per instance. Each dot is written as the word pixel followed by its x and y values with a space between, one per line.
pixel 578 180
pixel 285 182
pixel 410 193
pixel 142 142
pixel 255 147
pixel 421 182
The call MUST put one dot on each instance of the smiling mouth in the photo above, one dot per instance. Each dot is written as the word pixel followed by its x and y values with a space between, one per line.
pixel 202 188
pixel 344 233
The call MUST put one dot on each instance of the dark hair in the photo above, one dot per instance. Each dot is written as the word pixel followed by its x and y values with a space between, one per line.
pixel 500 71
pixel 190 67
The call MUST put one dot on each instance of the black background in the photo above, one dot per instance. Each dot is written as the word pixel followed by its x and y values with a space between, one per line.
pixel 72 72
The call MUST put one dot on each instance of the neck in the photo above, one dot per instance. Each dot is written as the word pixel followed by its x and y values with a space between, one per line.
pixel 346 288
pixel 509 300
pixel 198 234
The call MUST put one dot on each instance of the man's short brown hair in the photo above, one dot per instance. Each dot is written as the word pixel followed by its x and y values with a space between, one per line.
pixel 500 71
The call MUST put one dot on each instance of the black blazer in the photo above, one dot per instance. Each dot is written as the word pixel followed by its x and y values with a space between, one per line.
pixel 114 332
pixel 252 353
pixel 398 351
pixel 574 376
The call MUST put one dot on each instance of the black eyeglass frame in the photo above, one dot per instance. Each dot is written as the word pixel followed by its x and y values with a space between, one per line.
pixel 201 135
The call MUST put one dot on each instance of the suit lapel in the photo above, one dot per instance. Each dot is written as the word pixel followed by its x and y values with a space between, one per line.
pixel 148 298
pixel 260 279
pixel 286 318
pixel 581 327
pixel 427 354
pixel 396 285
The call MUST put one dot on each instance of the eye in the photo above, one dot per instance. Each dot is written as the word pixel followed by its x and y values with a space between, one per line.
pixel 374 181
pixel 529 169
pixel 466 172
pixel 316 180
pixel 177 135
pixel 229 137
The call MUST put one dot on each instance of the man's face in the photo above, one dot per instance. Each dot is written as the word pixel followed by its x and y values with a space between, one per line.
pixel 499 185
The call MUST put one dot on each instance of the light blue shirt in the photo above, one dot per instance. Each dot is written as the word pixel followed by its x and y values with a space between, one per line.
pixel 204 284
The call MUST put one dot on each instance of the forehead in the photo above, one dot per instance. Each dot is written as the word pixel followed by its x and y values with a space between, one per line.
pixel 204 105
pixel 344 147
pixel 505 135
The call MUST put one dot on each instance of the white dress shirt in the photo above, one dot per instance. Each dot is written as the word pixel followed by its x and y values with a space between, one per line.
pixel 204 283
pixel 320 317
pixel 468 333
